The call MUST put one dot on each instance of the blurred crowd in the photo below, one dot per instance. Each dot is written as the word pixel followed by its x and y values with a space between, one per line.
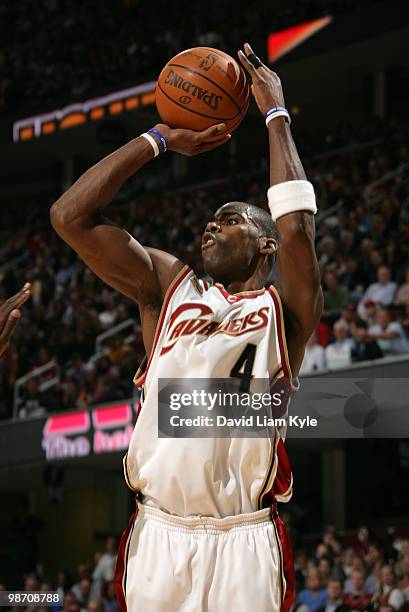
pixel 89 589
pixel 52 51
pixel 363 255
pixel 363 251
pixel 364 571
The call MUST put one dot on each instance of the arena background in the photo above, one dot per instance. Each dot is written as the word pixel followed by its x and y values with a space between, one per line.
pixel 78 344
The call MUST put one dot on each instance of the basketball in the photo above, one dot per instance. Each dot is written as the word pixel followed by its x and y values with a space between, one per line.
pixel 201 87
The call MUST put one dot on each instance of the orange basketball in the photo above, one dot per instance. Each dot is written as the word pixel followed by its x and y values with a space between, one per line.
pixel 201 87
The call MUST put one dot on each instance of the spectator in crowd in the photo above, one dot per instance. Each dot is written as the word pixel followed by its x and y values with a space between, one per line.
pixel 382 292
pixel 313 596
pixel 362 541
pixel 325 566
pixel 61 584
pixel 368 312
pixel 301 568
pixel 84 592
pixel 402 294
pixel 354 277
pixel 363 347
pixel 357 563
pixel 388 594
pixel 32 401
pixel 70 603
pixel 31 583
pixel 345 560
pixel 314 358
pixel 389 334
pixel 81 589
pixel 105 568
pixel 404 577
pixel 338 354
pixel 334 601
pixel 331 541
pixel 336 297
pixel 69 394
pixel 94 390
pixel 110 600
pixel 96 605
pixel 323 331
pixel 375 560
pixel 357 598
pixel 108 316
pixel 321 551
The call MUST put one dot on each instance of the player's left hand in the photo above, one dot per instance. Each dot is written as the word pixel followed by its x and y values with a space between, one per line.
pixel 266 85
pixel 9 315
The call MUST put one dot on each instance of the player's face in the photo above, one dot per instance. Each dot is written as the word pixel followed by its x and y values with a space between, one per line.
pixel 230 245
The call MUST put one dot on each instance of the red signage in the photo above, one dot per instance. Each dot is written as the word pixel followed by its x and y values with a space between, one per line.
pixel 280 43
pixel 79 434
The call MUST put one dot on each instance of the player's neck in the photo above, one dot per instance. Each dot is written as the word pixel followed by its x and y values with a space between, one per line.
pixel 255 282
pixel 240 280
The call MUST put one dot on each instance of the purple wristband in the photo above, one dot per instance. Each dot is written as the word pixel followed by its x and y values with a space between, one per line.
pixel 161 138
pixel 274 110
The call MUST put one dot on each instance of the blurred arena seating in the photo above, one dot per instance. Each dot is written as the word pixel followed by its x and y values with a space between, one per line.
pixel 84 341
pixel 56 53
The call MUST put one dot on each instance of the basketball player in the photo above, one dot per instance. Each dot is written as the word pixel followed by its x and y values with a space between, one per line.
pixel 10 315
pixel 206 533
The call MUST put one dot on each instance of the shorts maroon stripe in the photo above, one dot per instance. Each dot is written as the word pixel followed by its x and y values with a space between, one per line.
pixel 121 563
pixel 288 562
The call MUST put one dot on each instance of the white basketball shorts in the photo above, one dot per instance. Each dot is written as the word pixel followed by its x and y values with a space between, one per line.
pixel 168 563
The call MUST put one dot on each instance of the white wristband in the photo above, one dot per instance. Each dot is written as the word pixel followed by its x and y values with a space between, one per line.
pixel 153 142
pixel 279 113
pixel 291 196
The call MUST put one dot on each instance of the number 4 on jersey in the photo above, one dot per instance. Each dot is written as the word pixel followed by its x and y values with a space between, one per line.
pixel 243 368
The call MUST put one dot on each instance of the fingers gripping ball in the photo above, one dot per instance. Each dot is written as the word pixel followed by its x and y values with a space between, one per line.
pixel 201 87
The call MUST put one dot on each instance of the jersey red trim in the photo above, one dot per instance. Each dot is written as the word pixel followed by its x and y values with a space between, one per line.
pixel 262 492
pixel 281 489
pixel 184 272
pixel 232 298
pixel 282 485
pixel 281 332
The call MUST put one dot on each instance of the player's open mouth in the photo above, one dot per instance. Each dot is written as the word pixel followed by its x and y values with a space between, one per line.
pixel 208 240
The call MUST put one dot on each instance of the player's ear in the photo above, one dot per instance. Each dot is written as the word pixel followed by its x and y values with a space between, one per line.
pixel 268 246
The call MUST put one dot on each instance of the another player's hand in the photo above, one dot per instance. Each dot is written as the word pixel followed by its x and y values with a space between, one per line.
pixel 9 315
pixel 266 85
pixel 187 142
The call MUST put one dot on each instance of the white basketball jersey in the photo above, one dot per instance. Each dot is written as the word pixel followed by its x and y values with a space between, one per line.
pixel 201 333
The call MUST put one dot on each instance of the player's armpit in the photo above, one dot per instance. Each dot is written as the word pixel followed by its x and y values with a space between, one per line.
pixel 119 260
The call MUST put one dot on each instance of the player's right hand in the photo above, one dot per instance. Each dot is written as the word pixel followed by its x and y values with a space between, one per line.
pixel 9 315
pixel 187 142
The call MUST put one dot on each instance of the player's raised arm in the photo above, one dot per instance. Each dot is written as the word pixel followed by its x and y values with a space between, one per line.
pixel 114 255
pixel 292 203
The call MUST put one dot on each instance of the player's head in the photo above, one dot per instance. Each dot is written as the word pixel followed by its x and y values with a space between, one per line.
pixel 238 240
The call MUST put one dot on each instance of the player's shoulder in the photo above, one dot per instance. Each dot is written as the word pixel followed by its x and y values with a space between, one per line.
pixel 167 267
